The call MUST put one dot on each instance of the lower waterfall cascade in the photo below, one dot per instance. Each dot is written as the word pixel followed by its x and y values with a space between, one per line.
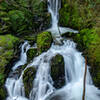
pixel 74 64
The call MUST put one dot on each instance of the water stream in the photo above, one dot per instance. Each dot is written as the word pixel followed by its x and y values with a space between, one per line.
pixel 43 88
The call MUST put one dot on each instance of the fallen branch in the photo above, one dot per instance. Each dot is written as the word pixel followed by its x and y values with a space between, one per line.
pixel 84 81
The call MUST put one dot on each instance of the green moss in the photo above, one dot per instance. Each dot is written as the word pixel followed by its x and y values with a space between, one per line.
pixel 85 37
pixel 2 93
pixel 57 71
pixel 44 41
pixel 28 77
pixel 7 41
pixel 31 53
pixel 7 44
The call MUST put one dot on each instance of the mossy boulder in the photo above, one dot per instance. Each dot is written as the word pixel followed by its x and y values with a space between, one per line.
pixel 7 45
pixel 44 41
pixel 57 71
pixel 28 77
pixel 31 53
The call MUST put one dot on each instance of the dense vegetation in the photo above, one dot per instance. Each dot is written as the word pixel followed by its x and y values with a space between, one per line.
pixel 26 19
pixel 19 20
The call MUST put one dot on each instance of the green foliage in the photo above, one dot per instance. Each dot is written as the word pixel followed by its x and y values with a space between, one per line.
pixel 85 37
pixel 64 17
pixel 7 43
pixel 77 15
pixel 17 19
pixel 44 41
pixel 21 16
pixel 28 77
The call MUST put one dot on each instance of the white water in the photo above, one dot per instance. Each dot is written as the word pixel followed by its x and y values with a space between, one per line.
pixel 23 56
pixel 74 72
pixel 15 87
pixel 43 84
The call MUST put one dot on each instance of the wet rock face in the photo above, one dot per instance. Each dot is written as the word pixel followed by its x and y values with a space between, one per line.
pixel 28 77
pixel 57 71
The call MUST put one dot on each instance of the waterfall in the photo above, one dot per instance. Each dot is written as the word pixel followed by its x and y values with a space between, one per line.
pixel 74 73
pixel 54 7
pixel 15 87
pixel 43 88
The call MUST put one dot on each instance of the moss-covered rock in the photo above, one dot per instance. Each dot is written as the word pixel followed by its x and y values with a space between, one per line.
pixel 28 77
pixel 31 53
pixel 44 41
pixel 7 44
pixel 57 71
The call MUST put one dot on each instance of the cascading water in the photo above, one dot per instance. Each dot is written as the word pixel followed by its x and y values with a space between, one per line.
pixel 53 7
pixel 14 85
pixel 23 56
pixel 74 73
pixel 43 88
